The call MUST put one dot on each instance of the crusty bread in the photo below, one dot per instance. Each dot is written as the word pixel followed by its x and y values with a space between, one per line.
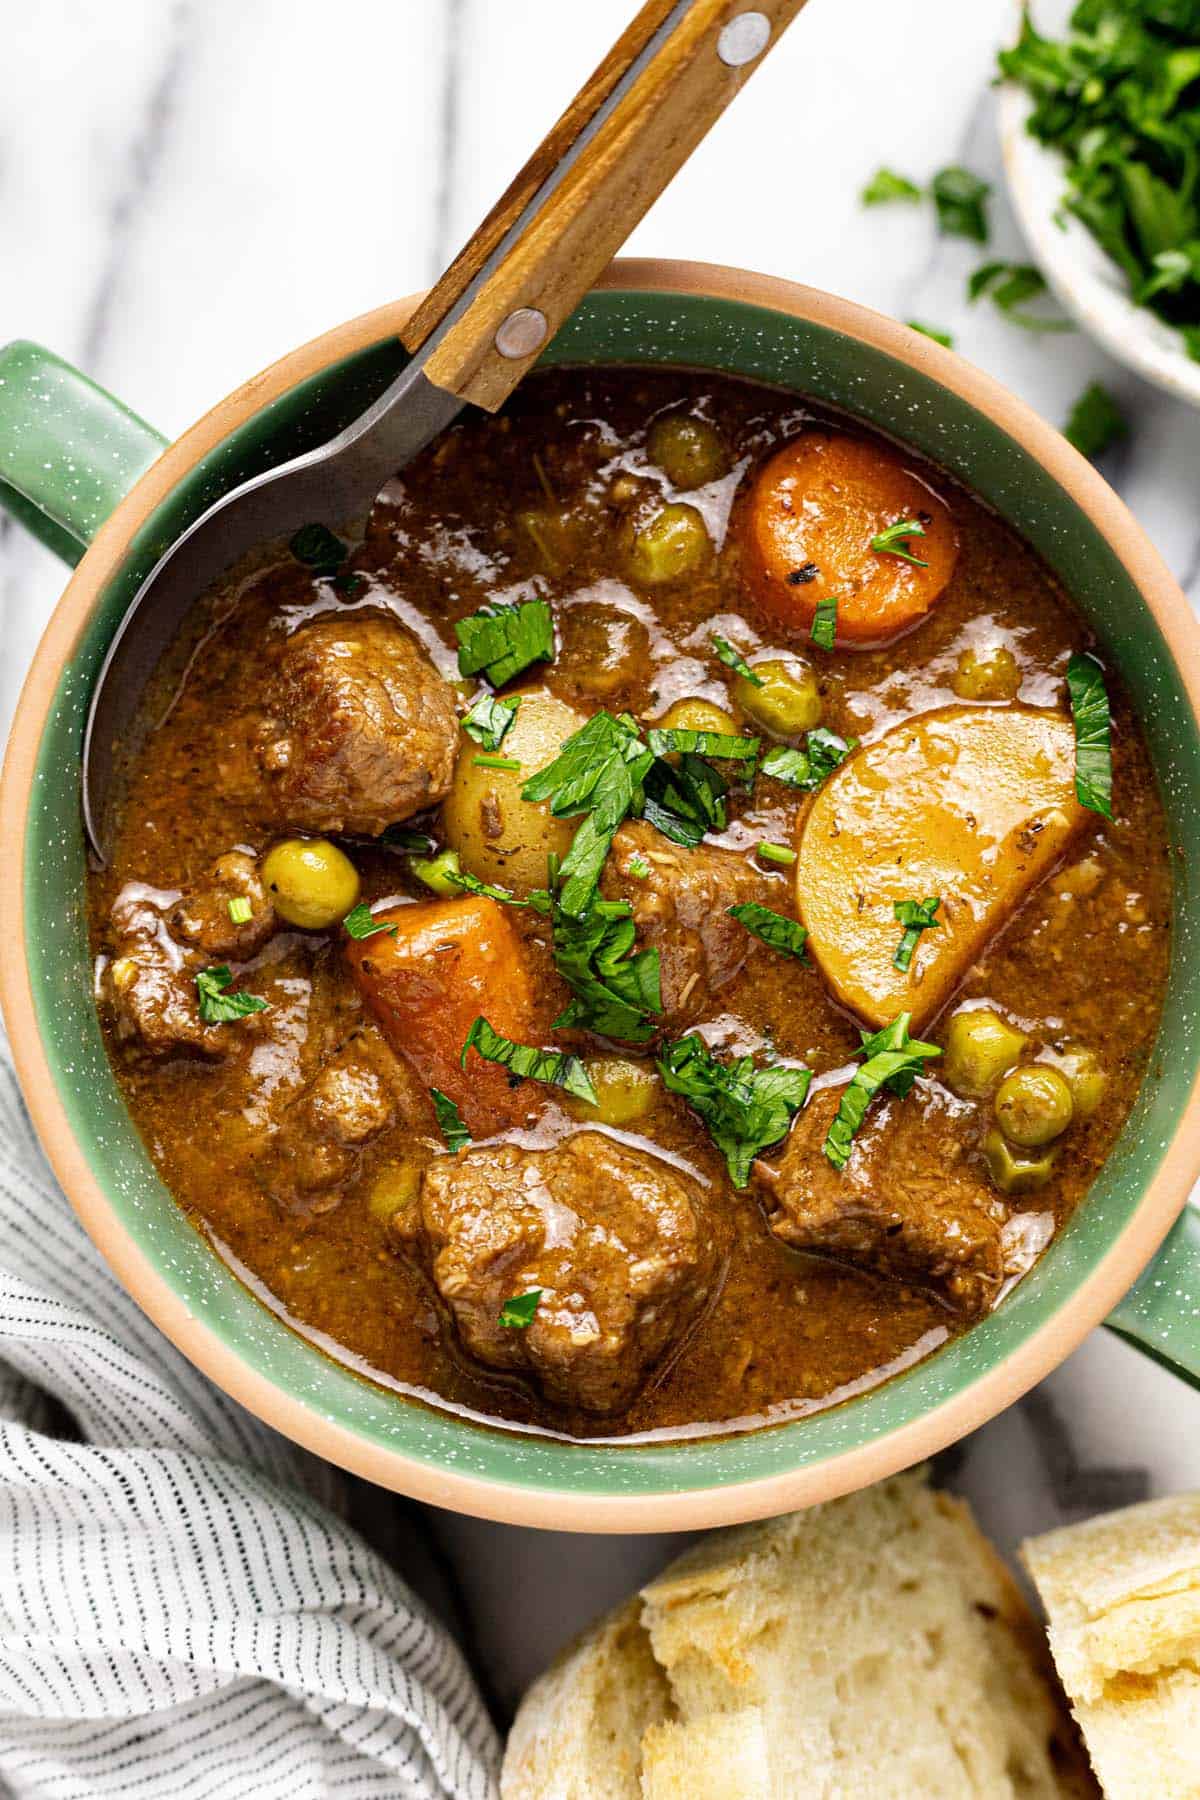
pixel 1122 1595
pixel 872 1649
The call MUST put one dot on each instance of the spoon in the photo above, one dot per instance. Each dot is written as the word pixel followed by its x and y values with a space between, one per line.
pixel 632 125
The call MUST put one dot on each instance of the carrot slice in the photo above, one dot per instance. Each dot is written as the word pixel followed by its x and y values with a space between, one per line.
pixel 449 961
pixel 806 529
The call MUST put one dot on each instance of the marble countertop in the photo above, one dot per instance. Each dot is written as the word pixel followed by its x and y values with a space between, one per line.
pixel 188 190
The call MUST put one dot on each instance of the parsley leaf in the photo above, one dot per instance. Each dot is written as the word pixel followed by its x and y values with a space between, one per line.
pixel 456 877
pixel 782 934
pixel 1010 286
pixel 806 769
pixel 894 541
pixel 931 331
pixel 1096 422
pixel 450 1121
pixel 685 800
pixel 893 1060
pixel 500 641
pixel 318 548
pixel 1093 733
pixel 745 1109
pixel 824 625
pixel 960 199
pixel 527 1063
pixel 886 186
pixel 732 660
pixel 217 1005
pixel 517 1314
pixel 1116 97
pixel 489 719
pixel 599 771
pixel 716 744
pixel 615 992
pixel 916 916
pixel 360 922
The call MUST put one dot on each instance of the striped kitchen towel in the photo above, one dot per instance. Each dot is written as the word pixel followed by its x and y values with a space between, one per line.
pixel 181 1613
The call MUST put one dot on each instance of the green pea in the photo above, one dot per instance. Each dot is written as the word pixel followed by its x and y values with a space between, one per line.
pixel 311 882
pixel 671 545
pixel 979 1046
pixel 1013 1171
pixel 689 451
pixel 788 702
pixel 1034 1106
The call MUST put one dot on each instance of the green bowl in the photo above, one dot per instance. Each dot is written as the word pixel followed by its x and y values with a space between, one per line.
pixel 82 471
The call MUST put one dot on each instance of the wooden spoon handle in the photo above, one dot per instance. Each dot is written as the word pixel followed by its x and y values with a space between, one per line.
pixel 631 126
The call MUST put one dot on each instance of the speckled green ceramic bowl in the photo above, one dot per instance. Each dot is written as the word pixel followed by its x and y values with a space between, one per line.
pixel 68 454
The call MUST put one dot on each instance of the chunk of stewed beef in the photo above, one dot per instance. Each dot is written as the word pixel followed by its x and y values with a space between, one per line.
pixel 359 1092
pixel 204 917
pixel 361 730
pixel 681 909
pixel 618 1243
pixel 913 1202
pixel 149 982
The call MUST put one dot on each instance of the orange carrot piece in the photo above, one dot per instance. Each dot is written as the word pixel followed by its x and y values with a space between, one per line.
pixel 818 503
pixel 449 961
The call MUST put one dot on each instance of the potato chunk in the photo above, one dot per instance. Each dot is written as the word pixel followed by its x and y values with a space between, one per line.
pixel 974 804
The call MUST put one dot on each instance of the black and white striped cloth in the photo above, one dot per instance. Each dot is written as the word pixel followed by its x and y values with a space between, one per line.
pixel 181 1613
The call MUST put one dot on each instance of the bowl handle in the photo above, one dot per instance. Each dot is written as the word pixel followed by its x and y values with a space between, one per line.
pixel 69 452
pixel 1161 1311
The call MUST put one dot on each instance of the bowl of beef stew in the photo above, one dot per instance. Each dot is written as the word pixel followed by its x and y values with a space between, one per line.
pixel 647 980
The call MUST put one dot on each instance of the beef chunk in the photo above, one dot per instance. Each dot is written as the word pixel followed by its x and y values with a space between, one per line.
pixel 912 1202
pixel 617 1240
pixel 149 983
pixel 362 730
pixel 202 918
pixel 359 1091
pixel 682 909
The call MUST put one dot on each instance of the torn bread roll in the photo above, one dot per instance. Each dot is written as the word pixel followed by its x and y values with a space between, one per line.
pixel 1122 1598
pixel 874 1647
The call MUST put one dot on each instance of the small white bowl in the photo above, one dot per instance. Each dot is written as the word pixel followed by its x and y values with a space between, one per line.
pixel 1087 281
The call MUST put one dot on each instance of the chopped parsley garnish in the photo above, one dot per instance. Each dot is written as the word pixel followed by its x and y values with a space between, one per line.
pixel 886 186
pixel 638 867
pixel 517 1314
pixel 824 625
pixel 240 910
pixel 538 898
pixel 413 843
pixel 960 199
pixel 489 719
pixel 718 745
pixel 217 1005
pixel 803 575
pixel 894 541
pixel 684 800
pixel 782 934
pixel 1010 286
pixel 360 922
pixel 806 769
pixel 511 763
pixel 450 1121
pixel 1116 96
pixel 598 772
pixel 1093 733
pixel 777 853
pixel 916 916
pixel 1096 422
pixel 318 548
pixel 500 641
pixel 615 991
pixel 527 1063
pixel 893 1060
pixel 745 1109
pixel 732 660
pixel 931 331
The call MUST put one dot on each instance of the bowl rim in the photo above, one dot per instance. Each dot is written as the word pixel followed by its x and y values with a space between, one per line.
pixel 557 1508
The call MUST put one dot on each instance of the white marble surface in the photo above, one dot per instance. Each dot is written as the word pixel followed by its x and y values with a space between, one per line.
pixel 189 189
